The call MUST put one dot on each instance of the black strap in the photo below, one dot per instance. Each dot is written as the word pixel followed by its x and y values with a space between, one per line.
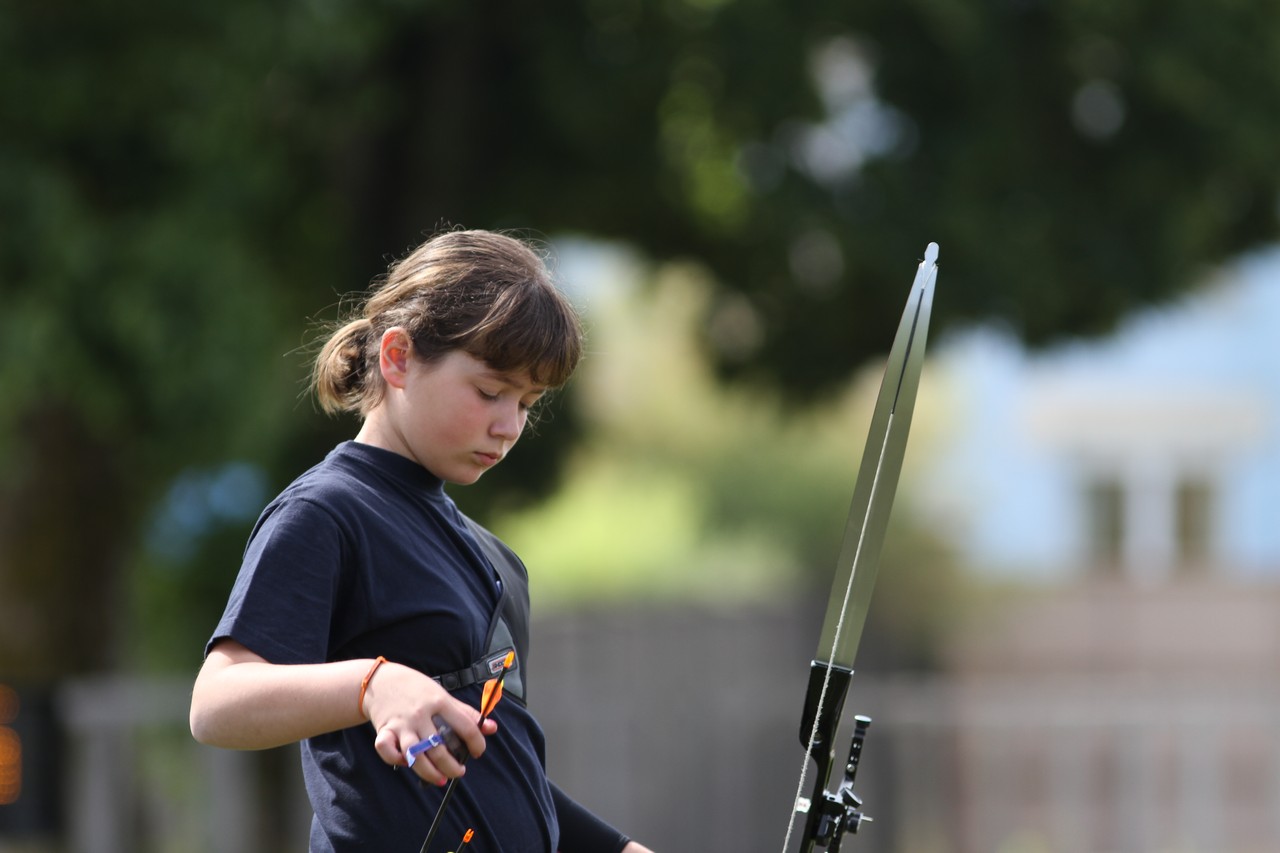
pixel 482 670
pixel 508 629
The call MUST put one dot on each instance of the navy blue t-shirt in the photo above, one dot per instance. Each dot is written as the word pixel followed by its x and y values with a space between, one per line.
pixel 365 555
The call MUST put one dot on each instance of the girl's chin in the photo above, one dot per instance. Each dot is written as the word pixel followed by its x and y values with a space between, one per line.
pixel 463 478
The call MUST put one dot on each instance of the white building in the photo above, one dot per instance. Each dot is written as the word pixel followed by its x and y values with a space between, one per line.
pixel 1150 454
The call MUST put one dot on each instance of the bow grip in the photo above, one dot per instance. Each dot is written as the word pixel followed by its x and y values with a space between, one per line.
pixel 828 715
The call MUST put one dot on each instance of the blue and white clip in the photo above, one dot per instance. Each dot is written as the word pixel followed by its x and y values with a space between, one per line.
pixel 423 745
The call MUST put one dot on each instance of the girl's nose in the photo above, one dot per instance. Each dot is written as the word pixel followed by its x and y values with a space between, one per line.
pixel 509 424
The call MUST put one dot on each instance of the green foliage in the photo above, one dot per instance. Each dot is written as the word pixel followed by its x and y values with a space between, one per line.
pixel 1075 159
pixel 182 185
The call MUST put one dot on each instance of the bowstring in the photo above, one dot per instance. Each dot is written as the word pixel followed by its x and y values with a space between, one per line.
pixel 835 642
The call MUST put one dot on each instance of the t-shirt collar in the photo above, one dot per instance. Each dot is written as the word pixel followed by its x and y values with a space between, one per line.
pixel 399 467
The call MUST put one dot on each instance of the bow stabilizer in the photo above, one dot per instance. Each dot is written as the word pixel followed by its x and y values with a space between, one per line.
pixel 830 816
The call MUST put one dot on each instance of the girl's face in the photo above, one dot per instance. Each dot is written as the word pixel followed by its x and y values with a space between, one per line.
pixel 456 416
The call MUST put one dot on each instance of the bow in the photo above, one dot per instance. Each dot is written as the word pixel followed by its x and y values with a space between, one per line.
pixel 830 816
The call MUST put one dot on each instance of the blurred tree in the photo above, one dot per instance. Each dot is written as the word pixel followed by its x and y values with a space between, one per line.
pixel 180 184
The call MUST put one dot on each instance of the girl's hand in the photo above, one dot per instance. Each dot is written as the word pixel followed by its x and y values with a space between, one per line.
pixel 401 702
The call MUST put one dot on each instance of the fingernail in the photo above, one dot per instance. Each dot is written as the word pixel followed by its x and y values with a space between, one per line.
pixel 442 783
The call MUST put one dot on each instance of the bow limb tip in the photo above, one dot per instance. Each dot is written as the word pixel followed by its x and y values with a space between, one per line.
pixel 931 254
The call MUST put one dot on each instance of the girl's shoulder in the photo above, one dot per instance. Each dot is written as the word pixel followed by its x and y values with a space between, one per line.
pixel 329 487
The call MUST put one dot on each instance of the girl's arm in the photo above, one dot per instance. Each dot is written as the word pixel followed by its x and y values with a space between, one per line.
pixel 241 701
pixel 581 830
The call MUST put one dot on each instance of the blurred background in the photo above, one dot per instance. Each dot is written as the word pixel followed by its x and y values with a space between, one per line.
pixel 1074 642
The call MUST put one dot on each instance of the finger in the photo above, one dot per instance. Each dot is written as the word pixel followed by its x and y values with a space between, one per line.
pixel 428 772
pixel 440 738
pixel 387 745
pixel 453 741
pixel 436 766
pixel 473 737
pixel 437 750
pixel 462 724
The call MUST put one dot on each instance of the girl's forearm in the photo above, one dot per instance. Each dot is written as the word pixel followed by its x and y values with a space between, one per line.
pixel 243 702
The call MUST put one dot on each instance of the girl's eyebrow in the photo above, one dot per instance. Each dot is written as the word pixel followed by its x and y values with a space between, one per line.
pixel 513 381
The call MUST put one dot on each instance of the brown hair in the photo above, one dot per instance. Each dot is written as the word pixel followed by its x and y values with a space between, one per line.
pixel 487 294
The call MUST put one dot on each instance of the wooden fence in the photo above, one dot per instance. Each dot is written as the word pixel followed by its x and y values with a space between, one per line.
pixel 680 726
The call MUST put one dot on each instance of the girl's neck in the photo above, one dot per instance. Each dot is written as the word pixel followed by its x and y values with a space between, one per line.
pixel 376 431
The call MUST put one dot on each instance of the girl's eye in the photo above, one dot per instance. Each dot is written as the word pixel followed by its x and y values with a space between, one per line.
pixel 487 396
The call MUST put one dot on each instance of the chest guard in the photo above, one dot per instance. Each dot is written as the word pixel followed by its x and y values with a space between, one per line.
pixel 508 630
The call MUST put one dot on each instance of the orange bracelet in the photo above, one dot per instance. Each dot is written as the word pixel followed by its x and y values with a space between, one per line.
pixel 364 685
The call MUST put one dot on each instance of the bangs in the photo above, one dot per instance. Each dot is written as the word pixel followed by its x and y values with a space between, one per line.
pixel 529 327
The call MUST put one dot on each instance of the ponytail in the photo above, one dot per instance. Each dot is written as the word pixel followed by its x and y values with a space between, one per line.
pixel 339 373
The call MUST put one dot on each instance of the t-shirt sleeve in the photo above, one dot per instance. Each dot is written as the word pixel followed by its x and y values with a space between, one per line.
pixel 281 606
pixel 581 831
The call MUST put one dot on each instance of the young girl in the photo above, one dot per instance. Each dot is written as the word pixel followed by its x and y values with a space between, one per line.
pixel 365 593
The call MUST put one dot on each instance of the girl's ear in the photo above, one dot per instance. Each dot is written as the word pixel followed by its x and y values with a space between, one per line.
pixel 394 353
